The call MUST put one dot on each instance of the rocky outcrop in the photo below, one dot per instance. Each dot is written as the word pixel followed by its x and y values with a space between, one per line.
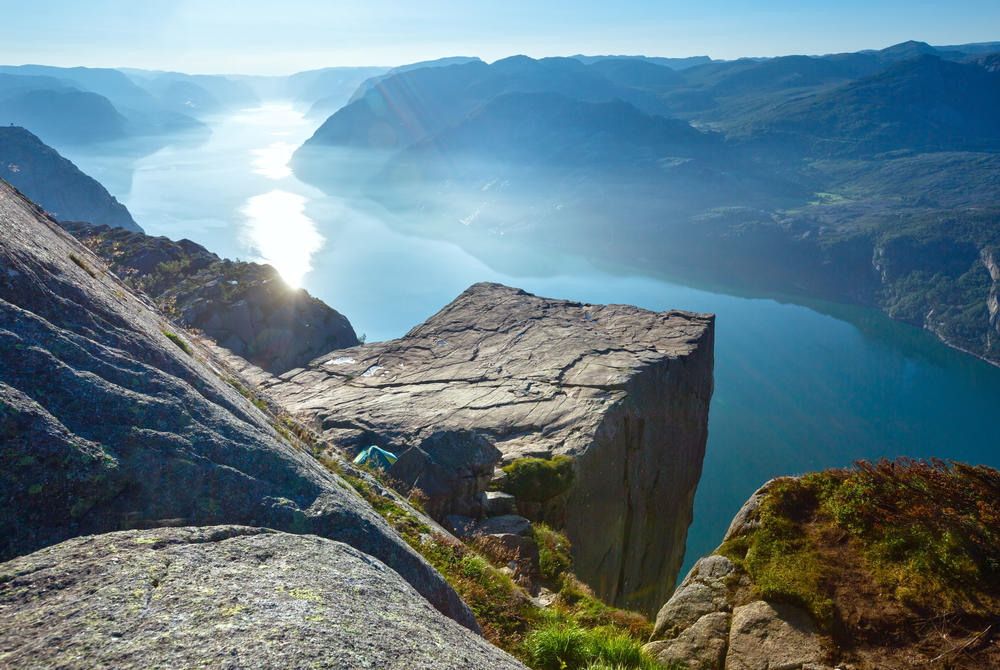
pixel 715 621
pixel 222 597
pixel 246 308
pixel 623 391
pixel 110 419
pixel 53 182
pixel 989 258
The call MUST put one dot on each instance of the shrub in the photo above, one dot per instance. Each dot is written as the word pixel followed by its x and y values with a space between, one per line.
pixel 565 645
pixel 83 265
pixel 538 479
pixel 179 342
pixel 553 553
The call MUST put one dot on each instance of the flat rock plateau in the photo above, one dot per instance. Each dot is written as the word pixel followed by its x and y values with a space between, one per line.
pixel 623 391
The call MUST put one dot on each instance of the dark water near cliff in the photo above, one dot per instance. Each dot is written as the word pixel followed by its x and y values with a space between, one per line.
pixel 797 388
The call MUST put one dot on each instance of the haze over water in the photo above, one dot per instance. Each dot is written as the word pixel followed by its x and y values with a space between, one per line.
pixel 797 388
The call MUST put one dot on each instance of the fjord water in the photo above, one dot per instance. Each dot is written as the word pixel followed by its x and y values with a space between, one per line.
pixel 797 388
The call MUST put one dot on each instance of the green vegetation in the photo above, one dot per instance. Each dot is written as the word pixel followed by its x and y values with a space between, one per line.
pixel 927 531
pixel 508 617
pixel 83 265
pixel 930 530
pixel 251 396
pixel 564 645
pixel 781 555
pixel 538 479
pixel 553 552
pixel 176 339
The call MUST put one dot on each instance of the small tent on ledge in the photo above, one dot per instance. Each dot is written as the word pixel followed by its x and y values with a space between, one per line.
pixel 374 457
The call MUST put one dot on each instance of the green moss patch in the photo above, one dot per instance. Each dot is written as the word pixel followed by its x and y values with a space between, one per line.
pixel 538 479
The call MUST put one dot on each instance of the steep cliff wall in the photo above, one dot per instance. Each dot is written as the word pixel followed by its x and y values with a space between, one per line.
pixel 623 391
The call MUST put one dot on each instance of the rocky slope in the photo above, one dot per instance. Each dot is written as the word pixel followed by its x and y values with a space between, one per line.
pixel 55 183
pixel 245 307
pixel 224 597
pixel 888 565
pixel 111 419
pixel 499 375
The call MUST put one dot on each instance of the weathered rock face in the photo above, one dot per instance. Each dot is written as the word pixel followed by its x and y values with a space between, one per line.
pixel 623 390
pixel 222 597
pixel 989 258
pixel 451 468
pixel 245 307
pixel 716 621
pixel 38 171
pixel 106 423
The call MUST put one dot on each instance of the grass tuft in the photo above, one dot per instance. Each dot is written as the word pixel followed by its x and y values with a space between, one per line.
pixel 176 339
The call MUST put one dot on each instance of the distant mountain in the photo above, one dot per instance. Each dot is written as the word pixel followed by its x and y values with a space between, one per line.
pixel 368 84
pixel 53 182
pixel 145 113
pixel 552 129
pixel 66 116
pixel 923 104
pixel 414 104
pixel 112 84
pixel 672 63
pixel 636 73
pixel 194 94
pixel 325 91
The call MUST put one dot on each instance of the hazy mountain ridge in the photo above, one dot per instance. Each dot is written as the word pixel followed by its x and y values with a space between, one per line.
pixel 55 183
pixel 813 157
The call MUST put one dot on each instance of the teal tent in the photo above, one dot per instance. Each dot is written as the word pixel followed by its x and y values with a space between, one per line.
pixel 376 458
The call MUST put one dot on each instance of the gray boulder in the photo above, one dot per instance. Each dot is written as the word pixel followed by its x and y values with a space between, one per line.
pixel 222 597
pixel 704 591
pixel 451 468
pixel 702 645
pixel 764 636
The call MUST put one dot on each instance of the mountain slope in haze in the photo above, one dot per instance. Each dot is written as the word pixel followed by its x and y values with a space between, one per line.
pixel 245 307
pixel 111 418
pixel 55 183
pixel 411 105
pixel 66 116
pixel 924 104
pixel 196 95
pixel 115 93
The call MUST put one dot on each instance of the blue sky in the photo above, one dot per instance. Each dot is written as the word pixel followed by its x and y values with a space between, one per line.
pixel 281 36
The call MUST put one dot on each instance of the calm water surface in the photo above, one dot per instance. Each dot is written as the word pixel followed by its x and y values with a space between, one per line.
pixel 797 388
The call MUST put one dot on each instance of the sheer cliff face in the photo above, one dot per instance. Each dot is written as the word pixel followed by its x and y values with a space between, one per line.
pixel 111 419
pixel 622 390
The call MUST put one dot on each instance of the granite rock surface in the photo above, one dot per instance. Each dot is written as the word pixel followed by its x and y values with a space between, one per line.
pixel 222 597
pixel 623 391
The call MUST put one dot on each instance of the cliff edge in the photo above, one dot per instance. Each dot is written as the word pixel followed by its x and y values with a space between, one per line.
pixel 500 375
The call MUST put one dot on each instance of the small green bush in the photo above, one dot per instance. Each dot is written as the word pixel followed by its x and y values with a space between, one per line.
pixel 565 645
pixel 179 342
pixel 83 265
pixel 538 479
pixel 553 553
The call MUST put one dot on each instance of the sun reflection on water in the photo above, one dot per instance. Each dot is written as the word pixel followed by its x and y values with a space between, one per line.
pixel 278 229
pixel 272 160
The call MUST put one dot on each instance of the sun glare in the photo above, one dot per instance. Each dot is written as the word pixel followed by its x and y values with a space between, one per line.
pixel 280 232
